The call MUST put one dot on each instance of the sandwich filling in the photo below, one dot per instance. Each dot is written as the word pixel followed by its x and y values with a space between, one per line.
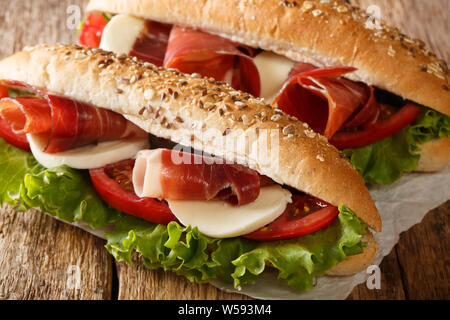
pixel 381 137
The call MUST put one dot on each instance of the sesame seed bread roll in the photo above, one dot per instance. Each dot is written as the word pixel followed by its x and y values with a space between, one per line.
pixel 323 33
pixel 185 108
pixel 182 108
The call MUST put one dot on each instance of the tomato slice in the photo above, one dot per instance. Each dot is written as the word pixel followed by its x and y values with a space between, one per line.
pixel 3 92
pixel 92 30
pixel 378 131
pixel 303 216
pixel 113 184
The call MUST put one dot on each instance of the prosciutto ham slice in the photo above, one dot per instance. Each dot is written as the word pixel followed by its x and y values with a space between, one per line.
pixel 193 51
pixel 325 100
pixel 174 175
pixel 152 43
pixel 64 123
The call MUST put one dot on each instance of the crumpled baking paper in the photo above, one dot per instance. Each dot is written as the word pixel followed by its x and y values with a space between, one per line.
pixel 401 205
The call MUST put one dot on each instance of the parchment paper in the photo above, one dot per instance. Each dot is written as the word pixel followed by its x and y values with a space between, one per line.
pixel 401 205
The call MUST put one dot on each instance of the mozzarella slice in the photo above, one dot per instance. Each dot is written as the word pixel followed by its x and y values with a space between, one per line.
pixel 87 157
pixel 219 219
pixel 121 33
pixel 273 71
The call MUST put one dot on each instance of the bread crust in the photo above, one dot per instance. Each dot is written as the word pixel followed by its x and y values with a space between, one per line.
pixel 357 262
pixel 185 108
pixel 324 33
pixel 434 155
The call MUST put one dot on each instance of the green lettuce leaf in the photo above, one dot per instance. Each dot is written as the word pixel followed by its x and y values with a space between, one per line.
pixel 430 125
pixel 299 260
pixel 69 195
pixel 62 191
pixel 13 93
pixel 385 161
pixel 188 252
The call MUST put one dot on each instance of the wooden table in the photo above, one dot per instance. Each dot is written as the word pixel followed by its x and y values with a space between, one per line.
pixel 40 257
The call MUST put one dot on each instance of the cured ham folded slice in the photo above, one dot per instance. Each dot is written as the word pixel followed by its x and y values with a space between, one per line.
pixel 151 43
pixel 65 123
pixel 325 100
pixel 174 175
pixel 193 51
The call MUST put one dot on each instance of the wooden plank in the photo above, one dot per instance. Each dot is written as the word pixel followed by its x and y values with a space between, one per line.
pixel 391 282
pixel 41 258
pixel 423 255
pixel 137 282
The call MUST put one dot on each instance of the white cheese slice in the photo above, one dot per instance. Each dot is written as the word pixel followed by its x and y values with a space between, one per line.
pixel 121 33
pixel 273 71
pixel 219 219
pixel 87 157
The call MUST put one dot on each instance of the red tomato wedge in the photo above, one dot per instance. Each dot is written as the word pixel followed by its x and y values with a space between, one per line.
pixel 92 30
pixel 303 216
pixel 378 131
pixel 3 92
pixel 113 184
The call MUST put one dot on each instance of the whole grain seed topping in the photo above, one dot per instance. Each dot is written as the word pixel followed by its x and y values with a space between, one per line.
pixel 118 91
pixel 342 8
pixel 123 80
pixel 316 12
pixel 307 5
pixel 309 133
pixel 290 129
pixel 275 117
pixel 289 4
pixel 391 51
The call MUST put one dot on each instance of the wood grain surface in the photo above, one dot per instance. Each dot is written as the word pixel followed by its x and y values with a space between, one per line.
pixel 41 258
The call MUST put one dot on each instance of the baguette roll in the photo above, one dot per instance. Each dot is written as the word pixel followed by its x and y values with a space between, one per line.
pixel 323 33
pixel 182 108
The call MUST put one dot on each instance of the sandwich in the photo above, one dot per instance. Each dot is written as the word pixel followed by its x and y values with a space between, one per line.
pixel 187 173
pixel 379 96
